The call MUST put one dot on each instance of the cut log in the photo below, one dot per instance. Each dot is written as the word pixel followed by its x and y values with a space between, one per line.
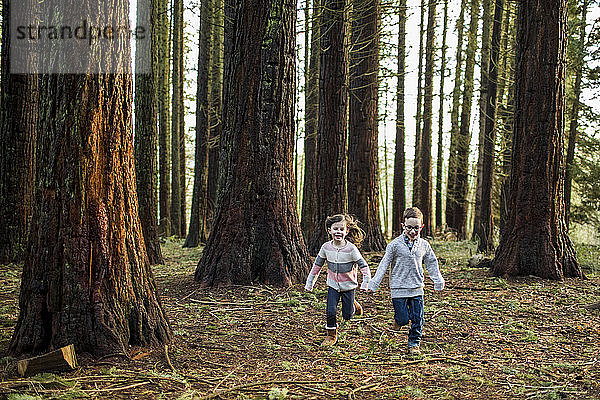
pixel 63 359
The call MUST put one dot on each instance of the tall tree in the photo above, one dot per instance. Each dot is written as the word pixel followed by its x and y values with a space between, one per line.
pixel 256 236
pixel 535 239
pixel 574 113
pixel 86 278
pixel 399 195
pixel 333 103
pixel 18 115
pixel 309 190
pixel 177 134
pixel 216 125
pixel 164 117
pixel 146 130
pixel 363 165
pixel 197 231
pixel 424 202
pixel 417 162
pixel 440 153
pixel 453 156
pixel 486 226
pixel 461 173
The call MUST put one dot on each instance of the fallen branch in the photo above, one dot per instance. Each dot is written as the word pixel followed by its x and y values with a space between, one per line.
pixel 249 385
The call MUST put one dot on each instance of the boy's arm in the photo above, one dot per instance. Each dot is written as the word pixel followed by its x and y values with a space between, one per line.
pixel 382 267
pixel 433 268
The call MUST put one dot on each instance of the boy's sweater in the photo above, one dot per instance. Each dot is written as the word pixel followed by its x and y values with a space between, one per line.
pixel 341 272
pixel 406 275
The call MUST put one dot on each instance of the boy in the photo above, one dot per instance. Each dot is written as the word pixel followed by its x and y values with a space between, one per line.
pixel 406 255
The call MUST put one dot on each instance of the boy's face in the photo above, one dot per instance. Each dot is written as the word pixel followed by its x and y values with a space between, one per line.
pixel 412 227
pixel 338 231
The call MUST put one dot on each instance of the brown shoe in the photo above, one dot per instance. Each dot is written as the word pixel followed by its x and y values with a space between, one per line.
pixel 358 310
pixel 414 351
pixel 395 326
pixel 331 338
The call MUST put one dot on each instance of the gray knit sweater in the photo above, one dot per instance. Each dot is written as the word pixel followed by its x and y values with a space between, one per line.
pixel 406 274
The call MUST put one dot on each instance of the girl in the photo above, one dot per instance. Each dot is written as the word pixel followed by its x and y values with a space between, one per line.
pixel 343 260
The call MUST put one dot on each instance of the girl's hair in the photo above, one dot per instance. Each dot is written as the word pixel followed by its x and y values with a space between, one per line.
pixel 355 233
pixel 413 212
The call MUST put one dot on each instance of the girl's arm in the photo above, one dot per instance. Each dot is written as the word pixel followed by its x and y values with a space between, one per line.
pixel 364 269
pixel 314 272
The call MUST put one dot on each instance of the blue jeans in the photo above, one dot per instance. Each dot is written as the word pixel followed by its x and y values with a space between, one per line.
pixel 410 309
pixel 333 298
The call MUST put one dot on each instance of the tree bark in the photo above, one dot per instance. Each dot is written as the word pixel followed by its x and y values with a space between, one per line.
pixel 535 240
pixel 18 117
pixel 256 237
pixel 424 202
pixel 197 231
pixel 439 178
pixel 418 177
pixel 176 114
pixel 164 119
pixel 333 103
pixel 86 278
pixel 363 169
pixel 399 195
pixel 146 133
pixel 485 232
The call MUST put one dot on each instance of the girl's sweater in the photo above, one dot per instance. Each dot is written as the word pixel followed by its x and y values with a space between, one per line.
pixel 342 263
pixel 406 274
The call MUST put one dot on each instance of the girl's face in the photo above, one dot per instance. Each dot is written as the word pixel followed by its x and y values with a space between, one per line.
pixel 412 227
pixel 338 231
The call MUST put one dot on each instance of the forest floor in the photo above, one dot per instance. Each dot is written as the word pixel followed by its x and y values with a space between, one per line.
pixel 484 338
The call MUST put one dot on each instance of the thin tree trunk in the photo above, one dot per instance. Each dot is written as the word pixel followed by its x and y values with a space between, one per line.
pixel 333 103
pixel 256 237
pixel 177 104
pixel 309 191
pixel 440 153
pixel 486 223
pixel 461 183
pixel 146 131
pixel 399 195
pixel 451 196
pixel 363 169
pixel 418 177
pixel 574 115
pixel 164 119
pixel 535 240
pixel 197 230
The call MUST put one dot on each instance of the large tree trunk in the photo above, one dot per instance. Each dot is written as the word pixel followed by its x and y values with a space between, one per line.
pixel 363 171
pixel 440 153
pixel 256 237
pixel 146 132
pixel 309 221
pixel 535 240
pixel 399 195
pixel 485 230
pixel 461 177
pixel 424 202
pixel 197 231
pixel 453 157
pixel 18 116
pixel 333 102
pixel 86 278
pixel 574 114
pixel 164 120
pixel 177 220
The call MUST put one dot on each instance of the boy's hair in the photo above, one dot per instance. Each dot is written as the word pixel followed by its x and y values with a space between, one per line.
pixel 355 233
pixel 412 212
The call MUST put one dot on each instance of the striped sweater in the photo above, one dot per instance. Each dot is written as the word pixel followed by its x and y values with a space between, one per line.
pixel 342 267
